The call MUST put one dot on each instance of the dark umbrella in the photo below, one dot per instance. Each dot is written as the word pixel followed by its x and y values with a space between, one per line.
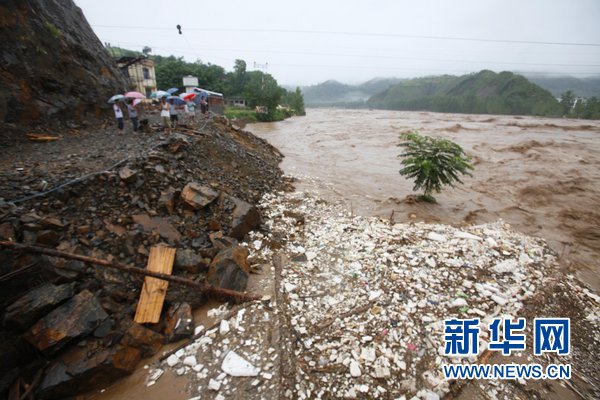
pixel 177 100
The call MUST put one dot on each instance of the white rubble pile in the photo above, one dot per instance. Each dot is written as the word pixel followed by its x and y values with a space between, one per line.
pixel 234 357
pixel 369 301
pixel 366 303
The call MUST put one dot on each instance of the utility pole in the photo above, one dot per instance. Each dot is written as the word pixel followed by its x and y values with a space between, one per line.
pixel 263 69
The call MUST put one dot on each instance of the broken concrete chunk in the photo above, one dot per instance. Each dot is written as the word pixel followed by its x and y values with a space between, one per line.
pixel 198 196
pixel 230 269
pixel 234 365
pixel 77 317
pixel 36 303
pixel 179 322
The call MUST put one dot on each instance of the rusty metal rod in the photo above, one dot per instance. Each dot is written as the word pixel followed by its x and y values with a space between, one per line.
pixel 233 294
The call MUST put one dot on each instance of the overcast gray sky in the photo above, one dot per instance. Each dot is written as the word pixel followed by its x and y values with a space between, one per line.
pixel 307 42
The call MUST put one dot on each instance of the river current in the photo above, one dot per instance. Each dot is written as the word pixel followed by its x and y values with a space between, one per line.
pixel 540 175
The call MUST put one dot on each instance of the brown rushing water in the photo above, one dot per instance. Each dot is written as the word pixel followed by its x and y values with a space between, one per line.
pixel 541 175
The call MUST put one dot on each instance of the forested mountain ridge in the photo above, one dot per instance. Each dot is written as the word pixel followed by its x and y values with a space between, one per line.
pixel 485 92
pixel 581 87
pixel 332 93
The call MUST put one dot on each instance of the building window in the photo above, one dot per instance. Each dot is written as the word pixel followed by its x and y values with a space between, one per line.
pixel 146 72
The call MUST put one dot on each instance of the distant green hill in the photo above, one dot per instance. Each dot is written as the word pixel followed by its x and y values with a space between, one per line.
pixel 333 93
pixel 485 92
pixel 558 85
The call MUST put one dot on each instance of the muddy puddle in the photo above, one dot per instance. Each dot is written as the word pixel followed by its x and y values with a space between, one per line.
pixel 541 175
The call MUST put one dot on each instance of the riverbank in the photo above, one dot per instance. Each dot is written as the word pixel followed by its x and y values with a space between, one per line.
pixel 357 310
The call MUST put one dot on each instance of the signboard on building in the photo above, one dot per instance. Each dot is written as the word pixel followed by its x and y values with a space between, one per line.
pixel 190 82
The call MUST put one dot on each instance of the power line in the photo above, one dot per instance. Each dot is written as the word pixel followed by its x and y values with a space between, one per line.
pixel 345 33
pixel 368 56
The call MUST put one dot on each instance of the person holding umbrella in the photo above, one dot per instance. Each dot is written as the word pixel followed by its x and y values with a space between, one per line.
pixel 118 116
pixel 165 109
pixel 133 116
pixel 173 113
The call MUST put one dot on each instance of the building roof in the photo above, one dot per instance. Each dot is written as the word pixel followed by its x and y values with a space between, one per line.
pixel 210 92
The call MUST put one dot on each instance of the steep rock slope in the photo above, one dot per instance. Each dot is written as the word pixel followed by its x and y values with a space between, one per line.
pixel 53 68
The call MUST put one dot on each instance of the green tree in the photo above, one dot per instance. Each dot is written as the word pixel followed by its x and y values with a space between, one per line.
pixel 295 100
pixel 432 163
pixel 567 101
pixel 262 90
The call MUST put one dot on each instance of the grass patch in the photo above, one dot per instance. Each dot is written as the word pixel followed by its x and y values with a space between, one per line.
pixel 54 31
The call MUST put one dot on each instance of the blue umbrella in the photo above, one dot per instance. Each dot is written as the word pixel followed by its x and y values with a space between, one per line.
pixel 116 97
pixel 177 100
pixel 173 90
pixel 158 94
pixel 201 93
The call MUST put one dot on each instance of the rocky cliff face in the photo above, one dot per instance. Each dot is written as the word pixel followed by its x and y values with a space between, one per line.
pixel 53 68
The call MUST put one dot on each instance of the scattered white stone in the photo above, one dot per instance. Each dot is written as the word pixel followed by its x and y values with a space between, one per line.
pixel 289 287
pixel 382 372
pixel 459 302
pixel 505 266
pixel 368 354
pixel 198 330
pixel 355 369
pixel 172 360
pixel 214 385
pixel 224 327
pixel 499 299
pixel 436 237
pixel 154 376
pixel 235 365
pixel 431 262
pixel 375 294
pixel 267 375
pixel 466 235
pixel 190 361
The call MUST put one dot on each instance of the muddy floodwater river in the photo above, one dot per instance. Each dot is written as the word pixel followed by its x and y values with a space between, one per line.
pixel 540 175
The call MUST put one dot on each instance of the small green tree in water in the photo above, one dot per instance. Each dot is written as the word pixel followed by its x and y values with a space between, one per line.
pixel 432 163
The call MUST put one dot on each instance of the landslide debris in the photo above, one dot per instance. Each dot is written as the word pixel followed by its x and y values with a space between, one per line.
pixel 67 326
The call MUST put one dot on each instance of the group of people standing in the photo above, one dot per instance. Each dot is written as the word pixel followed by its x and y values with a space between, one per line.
pixel 169 113
pixel 133 115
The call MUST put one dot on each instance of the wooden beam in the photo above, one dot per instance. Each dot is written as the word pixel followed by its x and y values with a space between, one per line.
pixel 203 287
pixel 153 294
